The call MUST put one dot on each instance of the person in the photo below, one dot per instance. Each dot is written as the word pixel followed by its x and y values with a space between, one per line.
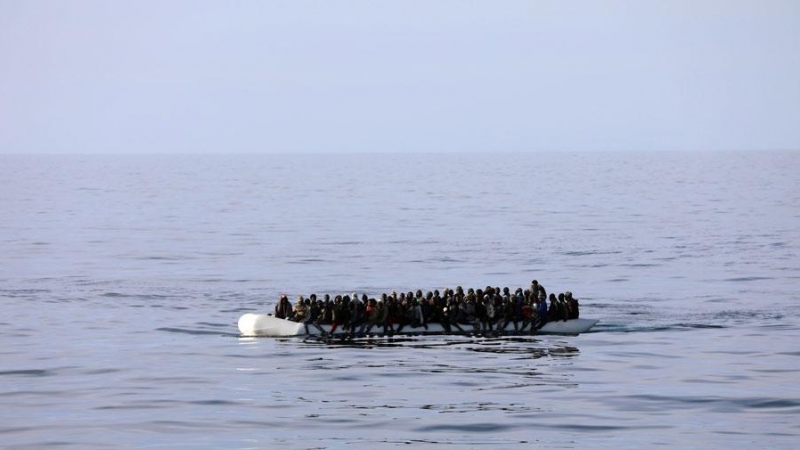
pixel 384 317
pixel 454 314
pixel 405 309
pixel 372 314
pixel 552 313
pixel 535 289
pixel 507 311
pixel 339 314
pixel 519 302
pixel 395 312
pixel 486 313
pixel 572 305
pixel 300 312
pixel 418 318
pixel 357 316
pixel 283 310
pixel 535 319
pixel 429 310
pixel 541 311
pixel 562 307
pixel 313 311
pixel 327 311
pixel 469 309
pixel 527 316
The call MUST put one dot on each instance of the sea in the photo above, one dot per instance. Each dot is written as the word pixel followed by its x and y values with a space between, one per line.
pixel 122 278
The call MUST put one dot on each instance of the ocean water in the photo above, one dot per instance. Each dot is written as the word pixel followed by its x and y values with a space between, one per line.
pixel 122 279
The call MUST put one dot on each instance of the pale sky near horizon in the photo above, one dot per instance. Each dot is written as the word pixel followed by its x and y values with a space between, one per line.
pixel 185 76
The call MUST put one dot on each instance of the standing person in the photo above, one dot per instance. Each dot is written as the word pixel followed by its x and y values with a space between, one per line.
pixel 542 290
pixel 283 310
pixel 535 289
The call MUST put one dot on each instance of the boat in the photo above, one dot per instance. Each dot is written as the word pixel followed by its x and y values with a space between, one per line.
pixel 267 325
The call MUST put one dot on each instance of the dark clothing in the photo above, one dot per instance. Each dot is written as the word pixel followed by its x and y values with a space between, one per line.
pixel 553 313
pixel 283 310
pixel 541 311
pixel 572 304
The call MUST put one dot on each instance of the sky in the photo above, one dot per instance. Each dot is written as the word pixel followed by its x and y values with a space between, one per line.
pixel 194 76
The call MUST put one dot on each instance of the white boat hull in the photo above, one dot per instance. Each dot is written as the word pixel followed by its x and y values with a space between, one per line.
pixel 266 325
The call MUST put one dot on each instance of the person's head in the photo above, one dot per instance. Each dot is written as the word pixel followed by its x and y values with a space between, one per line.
pixel 284 298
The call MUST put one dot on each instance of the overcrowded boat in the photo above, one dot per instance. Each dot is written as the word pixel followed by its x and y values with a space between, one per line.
pixel 489 312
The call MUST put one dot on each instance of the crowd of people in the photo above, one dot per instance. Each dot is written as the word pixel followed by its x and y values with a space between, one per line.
pixel 481 311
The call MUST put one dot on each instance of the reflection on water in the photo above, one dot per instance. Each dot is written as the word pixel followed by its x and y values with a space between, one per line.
pixel 530 347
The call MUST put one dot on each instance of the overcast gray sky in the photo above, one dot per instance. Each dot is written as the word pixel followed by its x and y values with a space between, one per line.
pixel 324 76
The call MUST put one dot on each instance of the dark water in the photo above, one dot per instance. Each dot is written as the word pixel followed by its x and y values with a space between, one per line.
pixel 122 278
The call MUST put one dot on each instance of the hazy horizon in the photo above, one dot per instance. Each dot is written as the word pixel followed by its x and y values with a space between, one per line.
pixel 88 77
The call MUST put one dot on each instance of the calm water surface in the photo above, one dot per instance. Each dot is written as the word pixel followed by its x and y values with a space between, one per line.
pixel 122 278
